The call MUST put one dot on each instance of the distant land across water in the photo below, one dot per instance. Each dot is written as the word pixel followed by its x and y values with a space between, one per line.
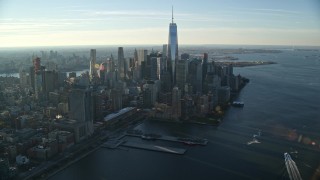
pixel 21 57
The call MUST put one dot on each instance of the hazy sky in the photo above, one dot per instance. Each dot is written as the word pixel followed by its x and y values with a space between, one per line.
pixel 122 22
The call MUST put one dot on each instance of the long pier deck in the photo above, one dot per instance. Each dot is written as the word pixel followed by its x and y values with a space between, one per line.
pixel 172 139
pixel 153 147
pixel 112 144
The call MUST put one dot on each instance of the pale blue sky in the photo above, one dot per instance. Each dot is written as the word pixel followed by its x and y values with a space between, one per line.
pixel 104 22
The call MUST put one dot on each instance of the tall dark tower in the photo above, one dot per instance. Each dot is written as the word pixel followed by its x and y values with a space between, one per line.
pixel 204 66
pixel 121 62
pixel 81 109
pixel 93 71
pixel 38 78
pixel 172 49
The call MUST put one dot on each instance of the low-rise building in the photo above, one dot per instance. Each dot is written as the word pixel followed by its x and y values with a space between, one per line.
pixel 22 160
pixel 65 140
pixel 45 150
pixel 80 130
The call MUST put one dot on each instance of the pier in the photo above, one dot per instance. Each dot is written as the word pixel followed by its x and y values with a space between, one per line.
pixel 152 147
pixel 115 143
pixel 170 138
pixel 112 144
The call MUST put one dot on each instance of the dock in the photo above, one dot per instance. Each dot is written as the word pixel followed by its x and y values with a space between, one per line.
pixel 152 147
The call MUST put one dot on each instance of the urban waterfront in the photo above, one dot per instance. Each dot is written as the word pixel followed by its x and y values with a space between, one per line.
pixel 173 90
pixel 281 101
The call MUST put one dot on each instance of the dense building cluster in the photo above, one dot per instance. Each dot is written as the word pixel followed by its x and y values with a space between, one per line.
pixel 46 111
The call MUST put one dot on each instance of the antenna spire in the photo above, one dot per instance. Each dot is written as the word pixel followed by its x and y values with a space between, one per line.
pixel 172 14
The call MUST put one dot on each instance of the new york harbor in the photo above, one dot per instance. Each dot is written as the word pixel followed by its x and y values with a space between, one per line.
pixel 159 90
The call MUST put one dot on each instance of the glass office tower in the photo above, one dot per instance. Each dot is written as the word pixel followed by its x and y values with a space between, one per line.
pixel 173 49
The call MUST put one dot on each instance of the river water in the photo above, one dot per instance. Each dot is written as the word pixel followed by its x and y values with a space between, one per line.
pixel 281 101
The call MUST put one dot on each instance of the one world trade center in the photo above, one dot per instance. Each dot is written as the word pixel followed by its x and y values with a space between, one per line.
pixel 173 49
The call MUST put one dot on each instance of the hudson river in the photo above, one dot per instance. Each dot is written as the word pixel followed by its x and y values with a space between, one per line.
pixel 282 101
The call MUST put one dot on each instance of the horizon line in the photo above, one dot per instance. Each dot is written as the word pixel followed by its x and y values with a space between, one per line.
pixel 124 45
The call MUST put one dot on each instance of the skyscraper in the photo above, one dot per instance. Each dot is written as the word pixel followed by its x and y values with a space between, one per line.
pixel 176 103
pixel 50 81
pixel 81 109
pixel 173 49
pixel 204 66
pixel 93 71
pixel 195 75
pixel 181 74
pixel 38 77
pixel 164 56
pixel 140 58
pixel 121 62
pixel 116 99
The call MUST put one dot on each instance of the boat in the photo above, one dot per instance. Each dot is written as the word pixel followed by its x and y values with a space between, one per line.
pixel 193 141
pixel 148 137
pixel 292 168
pixel 237 104
pixel 190 143
pixel 254 141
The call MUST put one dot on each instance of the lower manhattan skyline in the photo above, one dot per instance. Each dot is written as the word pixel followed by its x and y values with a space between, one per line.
pixel 59 23
pixel 159 90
